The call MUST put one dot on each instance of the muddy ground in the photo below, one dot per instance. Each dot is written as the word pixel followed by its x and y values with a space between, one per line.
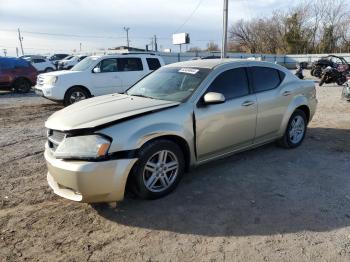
pixel 268 204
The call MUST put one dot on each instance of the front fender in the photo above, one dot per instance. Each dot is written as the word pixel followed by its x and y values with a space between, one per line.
pixel 133 134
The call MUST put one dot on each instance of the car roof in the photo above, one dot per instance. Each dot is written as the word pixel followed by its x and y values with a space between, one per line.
pixel 9 58
pixel 126 55
pixel 212 63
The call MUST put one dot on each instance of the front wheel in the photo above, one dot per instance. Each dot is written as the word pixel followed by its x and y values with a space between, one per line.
pixel 49 69
pixel 296 130
pixel 75 94
pixel 341 80
pixel 159 169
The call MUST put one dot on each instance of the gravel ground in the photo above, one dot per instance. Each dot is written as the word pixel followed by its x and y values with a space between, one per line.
pixel 268 204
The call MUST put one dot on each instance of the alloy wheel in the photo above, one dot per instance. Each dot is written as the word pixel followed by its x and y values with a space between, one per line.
pixel 160 171
pixel 77 96
pixel 297 129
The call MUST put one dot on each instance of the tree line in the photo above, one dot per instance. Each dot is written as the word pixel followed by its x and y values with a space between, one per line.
pixel 313 26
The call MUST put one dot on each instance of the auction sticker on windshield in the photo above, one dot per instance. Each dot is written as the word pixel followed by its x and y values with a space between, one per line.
pixel 191 71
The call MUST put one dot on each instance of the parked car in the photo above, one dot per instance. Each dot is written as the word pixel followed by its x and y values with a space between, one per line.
pixel 40 63
pixel 333 61
pixel 180 116
pixel 70 61
pixel 57 57
pixel 17 74
pixel 95 76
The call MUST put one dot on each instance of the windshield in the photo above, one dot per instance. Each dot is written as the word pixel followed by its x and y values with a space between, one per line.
pixel 170 83
pixel 68 57
pixel 85 64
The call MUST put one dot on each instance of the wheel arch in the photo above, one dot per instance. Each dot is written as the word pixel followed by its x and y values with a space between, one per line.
pixel 300 102
pixel 306 110
pixel 178 140
pixel 21 78
pixel 80 86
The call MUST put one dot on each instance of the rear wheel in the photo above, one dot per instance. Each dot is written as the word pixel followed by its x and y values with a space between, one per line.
pixel 317 72
pixel 49 69
pixel 159 169
pixel 341 80
pixel 22 86
pixel 75 94
pixel 296 130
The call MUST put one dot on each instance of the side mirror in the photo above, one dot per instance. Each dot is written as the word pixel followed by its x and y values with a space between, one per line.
pixel 213 98
pixel 96 70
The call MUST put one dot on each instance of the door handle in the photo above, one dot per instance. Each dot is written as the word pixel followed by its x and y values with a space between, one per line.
pixel 287 93
pixel 248 103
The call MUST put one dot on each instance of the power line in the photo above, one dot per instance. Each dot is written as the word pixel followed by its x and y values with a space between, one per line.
pixel 190 16
pixel 77 35
pixel 91 36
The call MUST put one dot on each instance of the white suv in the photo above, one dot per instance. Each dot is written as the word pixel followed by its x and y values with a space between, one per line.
pixel 70 61
pixel 40 63
pixel 95 76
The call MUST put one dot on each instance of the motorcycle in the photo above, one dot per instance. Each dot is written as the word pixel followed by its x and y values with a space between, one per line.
pixel 332 75
pixel 299 72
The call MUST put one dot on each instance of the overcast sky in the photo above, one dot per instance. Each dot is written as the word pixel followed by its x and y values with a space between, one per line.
pixel 99 24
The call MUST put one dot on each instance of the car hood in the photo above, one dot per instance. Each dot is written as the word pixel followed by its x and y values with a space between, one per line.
pixel 61 73
pixel 103 110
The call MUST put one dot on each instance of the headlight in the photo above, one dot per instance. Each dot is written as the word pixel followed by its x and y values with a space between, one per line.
pixel 83 147
pixel 50 80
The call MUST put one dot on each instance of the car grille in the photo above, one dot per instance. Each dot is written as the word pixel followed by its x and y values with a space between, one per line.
pixel 54 138
pixel 40 80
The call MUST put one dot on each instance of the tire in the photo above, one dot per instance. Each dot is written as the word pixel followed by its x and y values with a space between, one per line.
pixel 151 178
pixel 22 86
pixel 312 72
pixel 341 81
pixel 317 72
pixel 293 140
pixel 49 69
pixel 75 94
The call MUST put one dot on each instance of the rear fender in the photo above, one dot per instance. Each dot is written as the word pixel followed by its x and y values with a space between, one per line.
pixel 295 103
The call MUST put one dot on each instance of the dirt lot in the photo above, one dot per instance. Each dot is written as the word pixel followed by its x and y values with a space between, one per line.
pixel 269 204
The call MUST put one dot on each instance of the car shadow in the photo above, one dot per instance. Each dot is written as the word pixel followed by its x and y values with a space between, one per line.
pixel 5 93
pixel 265 191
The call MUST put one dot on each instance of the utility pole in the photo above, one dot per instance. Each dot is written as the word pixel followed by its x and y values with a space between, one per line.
pixel 224 32
pixel 5 51
pixel 126 29
pixel 80 47
pixel 155 43
pixel 152 43
pixel 17 51
pixel 20 40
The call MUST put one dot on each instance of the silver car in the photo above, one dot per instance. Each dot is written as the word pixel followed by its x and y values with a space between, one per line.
pixel 180 116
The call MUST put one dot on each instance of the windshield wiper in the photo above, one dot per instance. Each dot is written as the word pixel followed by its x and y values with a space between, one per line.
pixel 141 95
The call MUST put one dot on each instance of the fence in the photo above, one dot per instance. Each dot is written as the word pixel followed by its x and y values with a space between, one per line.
pixel 288 61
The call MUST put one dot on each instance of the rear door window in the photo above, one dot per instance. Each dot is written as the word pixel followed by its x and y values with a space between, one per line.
pixel 232 83
pixel 265 78
pixel 153 63
pixel 38 60
pixel 129 64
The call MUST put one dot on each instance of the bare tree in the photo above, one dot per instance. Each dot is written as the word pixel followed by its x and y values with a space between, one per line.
pixel 212 46
pixel 312 26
